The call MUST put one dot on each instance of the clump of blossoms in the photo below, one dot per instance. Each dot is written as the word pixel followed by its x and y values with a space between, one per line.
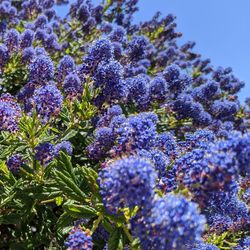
pixel 136 174
pixel 14 163
pixel 169 223
pixel 78 239
pixel 10 113
pixel 114 135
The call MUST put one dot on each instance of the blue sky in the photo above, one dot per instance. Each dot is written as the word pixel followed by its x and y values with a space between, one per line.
pixel 220 28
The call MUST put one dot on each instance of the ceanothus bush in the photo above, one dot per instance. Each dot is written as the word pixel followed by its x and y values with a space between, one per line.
pixel 114 135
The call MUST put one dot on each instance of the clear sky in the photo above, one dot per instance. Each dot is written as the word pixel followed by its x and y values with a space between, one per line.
pixel 220 28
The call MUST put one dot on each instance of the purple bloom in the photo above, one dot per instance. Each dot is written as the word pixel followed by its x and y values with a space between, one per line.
pixel 118 50
pixel 138 90
pixel 47 4
pixel 158 89
pixel 79 239
pixel 44 153
pixel 40 51
pixel 11 40
pixel 105 139
pixel 137 132
pixel 118 34
pixel 4 55
pixel 63 146
pixel 113 111
pixel 27 55
pixel 72 85
pixel 41 35
pixel 10 113
pixel 224 110
pixel 169 223
pixel 203 246
pixel 48 101
pixel 137 47
pixel 128 182
pixel 167 143
pixel 158 159
pixel 206 92
pixel 205 171
pixel 224 211
pixel 14 163
pixel 101 50
pixel 109 77
pixel 50 13
pixel 26 38
pixel 176 80
pixel 41 22
pixel 186 107
pixel 244 244
pixel 83 13
pixel 65 66
pixel 41 69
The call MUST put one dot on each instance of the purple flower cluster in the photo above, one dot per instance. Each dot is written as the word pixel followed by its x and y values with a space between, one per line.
pixel 72 85
pixel 78 239
pixel 64 146
pixel 4 55
pixel 137 132
pixel 14 163
pixel 48 101
pixel 41 69
pixel 44 153
pixel 203 246
pixel 244 244
pixel 171 222
pixel 65 67
pixel 11 40
pixel 26 38
pixel 176 81
pixel 10 113
pixel 136 174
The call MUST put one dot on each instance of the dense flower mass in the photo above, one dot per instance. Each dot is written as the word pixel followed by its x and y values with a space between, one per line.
pixel 45 153
pixel 14 163
pixel 136 175
pixel 41 69
pixel 63 146
pixel 10 113
pixel 169 223
pixel 115 135
pixel 47 101
pixel 79 239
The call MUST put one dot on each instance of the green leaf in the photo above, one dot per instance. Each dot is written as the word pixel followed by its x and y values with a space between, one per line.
pixel 69 135
pixel 67 184
pixel 65 163
pixel 89 176
pixel 64 220
pixel 80 211
pixel 114 239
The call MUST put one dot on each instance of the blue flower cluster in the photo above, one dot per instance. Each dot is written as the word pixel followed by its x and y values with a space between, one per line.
pixel 78 239
pixel 10 113
pixel 14 163
pixel 170 223
pixel 47 101
pixel 127 183
pixel 41 69
pixel 46 152
pixel 244 244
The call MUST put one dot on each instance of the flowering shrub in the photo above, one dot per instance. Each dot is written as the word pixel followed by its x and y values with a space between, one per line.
pixel 113 136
